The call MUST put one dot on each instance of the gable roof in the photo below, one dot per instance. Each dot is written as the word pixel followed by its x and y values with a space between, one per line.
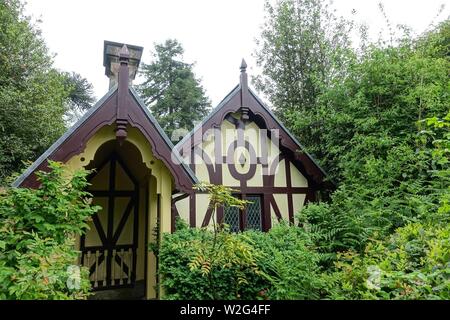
pixel 121 105
pixel 37 164
pixel 242 97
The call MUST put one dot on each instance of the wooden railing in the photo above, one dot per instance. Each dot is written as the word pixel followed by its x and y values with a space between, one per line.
pixel 122 264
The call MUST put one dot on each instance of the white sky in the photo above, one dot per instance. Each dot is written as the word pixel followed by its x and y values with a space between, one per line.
pixel 215 34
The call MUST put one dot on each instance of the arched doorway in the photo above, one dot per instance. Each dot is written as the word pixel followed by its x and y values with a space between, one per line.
pixel 114 247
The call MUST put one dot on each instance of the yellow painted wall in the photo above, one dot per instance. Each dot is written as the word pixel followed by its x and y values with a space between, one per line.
pixel 280 176
pixel 298 180
pixel 257 179
pixel 298 201
pixel 183 208
pixel 251 134
pixel 201 206
pixel 282 203
pixel 152 238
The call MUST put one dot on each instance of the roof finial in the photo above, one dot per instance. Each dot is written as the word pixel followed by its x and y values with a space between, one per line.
pixel 243 65
pixel 244 91
pixel 122 92
pixel 124 54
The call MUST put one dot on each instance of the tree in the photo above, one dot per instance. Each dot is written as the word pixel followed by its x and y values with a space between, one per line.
pixel 370 133
pixel 303 46
pixel 170 89
pixel 81 96
pixel 33 95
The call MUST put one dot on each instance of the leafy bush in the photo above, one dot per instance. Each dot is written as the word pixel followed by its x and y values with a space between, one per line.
pixel 279 264
pixel 370 133
pixel 189 271
pixel 33 93
pixel 289 263
pixel 37 237
pixel 381 130
pixel 414 263
pixel 216 264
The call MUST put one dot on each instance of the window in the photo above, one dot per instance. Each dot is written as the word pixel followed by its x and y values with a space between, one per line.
pixel 231 217
pixel 251 217
pixel 254 213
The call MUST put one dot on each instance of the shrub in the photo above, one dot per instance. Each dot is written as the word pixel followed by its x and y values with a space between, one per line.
pixel 288 263
pixel 37 237
pixel 216 264
pixel 279 264
pixel 414 263
pixel 190 269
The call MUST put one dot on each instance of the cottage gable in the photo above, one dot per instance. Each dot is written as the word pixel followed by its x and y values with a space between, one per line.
pixel 133 178
pixel 120 108
pixel 243 145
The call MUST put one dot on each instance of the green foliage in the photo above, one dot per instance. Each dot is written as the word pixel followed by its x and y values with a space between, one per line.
pixel 303 48
pixel 175 97
pixel 380 250
pixel 375 108
pixel 289 263
pixel 439 152
pixel 223 251
pixel 37 237
pixel 81 96
pixel 205 264
pixel 42 272
pixel 190 269
pixel 33 95
pixel 279 264
pixel 217 264
pixel 380 130
pixel 374 143
pixel 414 263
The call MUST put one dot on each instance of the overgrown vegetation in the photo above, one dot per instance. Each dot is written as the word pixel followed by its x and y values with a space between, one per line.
pixel 318 258
pixel 376 117
pixel 414 261
pixel 199 264
pixel 278 264
pixel 37 237
pixel 380 128
pixel 302 49
pixel 220 265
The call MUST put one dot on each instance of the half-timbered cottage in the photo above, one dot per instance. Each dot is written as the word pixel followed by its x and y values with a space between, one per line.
pixel 141 180
pixel 243 145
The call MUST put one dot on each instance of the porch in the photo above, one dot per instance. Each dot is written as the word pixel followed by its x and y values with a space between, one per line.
pixel 134 191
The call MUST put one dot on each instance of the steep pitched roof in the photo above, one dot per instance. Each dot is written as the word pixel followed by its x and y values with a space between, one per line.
pixel 122 106
pixel 243 98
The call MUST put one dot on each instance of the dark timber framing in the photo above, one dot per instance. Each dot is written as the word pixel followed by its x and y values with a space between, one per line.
pixel 110 239
pixel 120 107
pixel 244 101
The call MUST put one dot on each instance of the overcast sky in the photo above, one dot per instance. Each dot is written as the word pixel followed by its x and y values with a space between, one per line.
pixel 215 34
